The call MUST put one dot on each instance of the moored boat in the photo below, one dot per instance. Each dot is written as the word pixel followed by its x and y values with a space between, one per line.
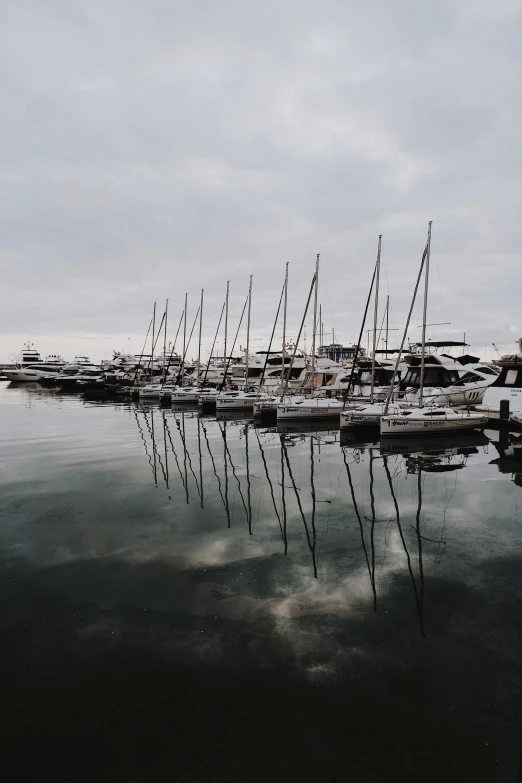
pixel 431 419
pixel 315 408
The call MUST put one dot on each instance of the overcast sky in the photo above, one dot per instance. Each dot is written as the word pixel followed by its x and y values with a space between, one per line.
pixel 152 148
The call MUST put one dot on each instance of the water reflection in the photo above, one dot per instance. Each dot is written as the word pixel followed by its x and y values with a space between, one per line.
pixel 158 541
pixel 282 477
pixel 509 448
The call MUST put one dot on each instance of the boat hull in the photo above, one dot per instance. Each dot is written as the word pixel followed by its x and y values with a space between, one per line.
pixel 21 376
pixel 291 412
pixel 398 425
pixel 223 405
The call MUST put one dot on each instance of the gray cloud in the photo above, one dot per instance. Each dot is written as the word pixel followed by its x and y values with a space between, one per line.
pixel 152 150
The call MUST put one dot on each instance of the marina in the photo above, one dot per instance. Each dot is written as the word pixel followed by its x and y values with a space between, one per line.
pixel 261 392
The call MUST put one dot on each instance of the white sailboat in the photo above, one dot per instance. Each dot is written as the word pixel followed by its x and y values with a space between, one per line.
pixel 426 418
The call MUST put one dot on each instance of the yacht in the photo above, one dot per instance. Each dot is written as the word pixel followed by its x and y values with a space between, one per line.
pixel 30 366
pixel 506 387
pixel 448 380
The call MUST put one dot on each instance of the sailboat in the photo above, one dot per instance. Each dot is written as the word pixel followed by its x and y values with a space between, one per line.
pixel 308 407
pixel 427 418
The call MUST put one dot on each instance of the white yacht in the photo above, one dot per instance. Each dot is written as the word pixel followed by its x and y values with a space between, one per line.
pixel 30 367
pixel 448 380
pixel 506 387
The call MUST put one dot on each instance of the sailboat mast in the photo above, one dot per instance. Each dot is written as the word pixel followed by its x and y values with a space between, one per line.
pixel 165 342
pixel 320 329
pixel 248 332
pixel 226 327
pixel 423 347
pixel 387 321
pixel 184 342
pixel 375 315
pixel 200 327
pixel 283 368
pixel 152 344
pixel 315 319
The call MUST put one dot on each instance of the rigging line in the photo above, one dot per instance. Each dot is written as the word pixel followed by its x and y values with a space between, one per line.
pixel 288 374
pixel 157 336
pixel 354 361
pixel 380 330
pixel 233 468
pixel 214 468
pixel 141 355
pixel 269 482
pixel 271 338
pixel 300 507
pixel 418 604
pixel 233 346
pixel 187 453
pixel 213 344
pixel 361 527
pixel 174 345
pixel 283 498
pixel 182 365
pixel 424 256
pixel 175 455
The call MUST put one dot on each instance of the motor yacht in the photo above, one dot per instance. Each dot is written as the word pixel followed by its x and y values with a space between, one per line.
pixel 447 380
pixel 30 367
pixel 506 390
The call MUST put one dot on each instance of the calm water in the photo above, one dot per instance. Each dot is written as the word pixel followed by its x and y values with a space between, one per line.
pixel 198 600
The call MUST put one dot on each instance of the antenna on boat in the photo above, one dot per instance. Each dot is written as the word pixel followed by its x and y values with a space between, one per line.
pixel 378 274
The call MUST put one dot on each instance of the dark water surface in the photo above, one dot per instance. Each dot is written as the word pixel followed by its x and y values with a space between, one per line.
pixel 194 600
